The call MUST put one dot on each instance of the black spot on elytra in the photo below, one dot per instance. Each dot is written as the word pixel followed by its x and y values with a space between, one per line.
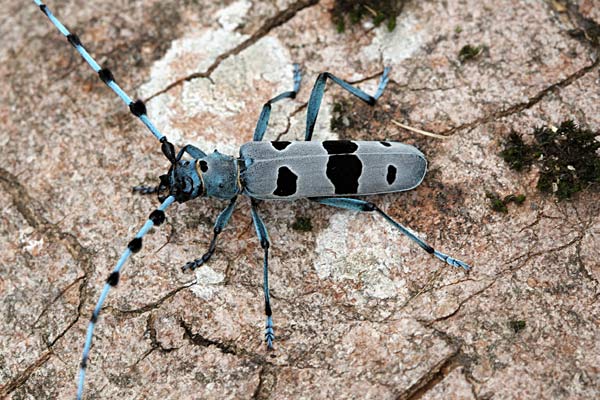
pixel 280 145
pixel 286 182
pixel 386 144
pixel 203 166
pixel 391 174
pixel 340 146
pixel 343 171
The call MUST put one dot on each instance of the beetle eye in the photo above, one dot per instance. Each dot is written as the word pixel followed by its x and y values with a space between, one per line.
pixel 164 180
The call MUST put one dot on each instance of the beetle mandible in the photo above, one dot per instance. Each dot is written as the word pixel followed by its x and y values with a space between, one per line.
pixel 324 172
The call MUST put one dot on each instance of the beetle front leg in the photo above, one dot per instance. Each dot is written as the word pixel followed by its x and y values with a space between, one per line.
pixel 220 224
pixel 192 150
pixel 145 189
pixel 263 236
pixel 265 114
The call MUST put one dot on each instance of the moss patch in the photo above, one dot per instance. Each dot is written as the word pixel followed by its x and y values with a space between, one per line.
pixel 379 11
pixel 501 204
pixel 339 120
pixel 302 224
pixel 567 157
pixel 517 325
pixel 470 52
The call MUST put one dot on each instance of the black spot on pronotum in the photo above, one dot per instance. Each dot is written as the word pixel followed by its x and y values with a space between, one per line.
pixel 386 144
pixel 137 108
pixel 286 182
pixel 94 318
pixel 135 245
pixel 106 76
pixel 340 146
pixel 391 174
pixel 203 166
pixel 74 40
pixel 157 217
pixel 44 9
pixel 83 364
pixel 280 145
pixel 113 279
pixel 343 171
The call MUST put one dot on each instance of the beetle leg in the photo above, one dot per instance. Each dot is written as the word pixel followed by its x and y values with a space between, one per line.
pixel 263 236
pixel 263 120
pixel 365 206
pixel 145 189
pixel 314 103
pixel 193 151
pixel 220 223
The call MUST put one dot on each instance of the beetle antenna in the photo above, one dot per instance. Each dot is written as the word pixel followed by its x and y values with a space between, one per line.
pixel 137 107
pixel 157 217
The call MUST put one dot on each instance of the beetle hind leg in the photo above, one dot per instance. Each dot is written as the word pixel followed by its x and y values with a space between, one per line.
pixel 365 206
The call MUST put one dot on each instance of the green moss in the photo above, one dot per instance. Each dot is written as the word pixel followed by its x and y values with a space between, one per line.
pixel 517 325
pixel 302 224
pixel 501 205
pixel 391 25
pixel 515 198
pixel 516 153
pixel 355 11
pixel 338 114
pixel 469 52
pixel 378 19
pixel 566 157
pixel 496 203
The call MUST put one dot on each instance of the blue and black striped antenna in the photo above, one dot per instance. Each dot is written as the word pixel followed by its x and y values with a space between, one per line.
pixel 137 107
pixel 157 217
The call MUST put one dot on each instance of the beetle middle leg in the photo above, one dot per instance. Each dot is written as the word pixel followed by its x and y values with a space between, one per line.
pixel 263 236
pixel 265 114
pixel 220 223
pixel 365 206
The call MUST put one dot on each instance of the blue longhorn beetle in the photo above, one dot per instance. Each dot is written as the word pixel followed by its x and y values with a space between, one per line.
pixel 324 172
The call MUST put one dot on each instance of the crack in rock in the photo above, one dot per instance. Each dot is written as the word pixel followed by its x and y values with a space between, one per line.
pixel 271 23
pixel 516 108
pixel 20 380
pixel 33 212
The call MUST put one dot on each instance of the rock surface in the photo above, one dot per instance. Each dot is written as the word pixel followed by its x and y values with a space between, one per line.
pixel 360 311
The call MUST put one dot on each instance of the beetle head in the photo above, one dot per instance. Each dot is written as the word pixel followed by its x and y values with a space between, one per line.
pixel 182 181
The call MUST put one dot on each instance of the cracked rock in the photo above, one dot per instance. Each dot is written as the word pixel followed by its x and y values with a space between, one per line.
pixel 359 310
